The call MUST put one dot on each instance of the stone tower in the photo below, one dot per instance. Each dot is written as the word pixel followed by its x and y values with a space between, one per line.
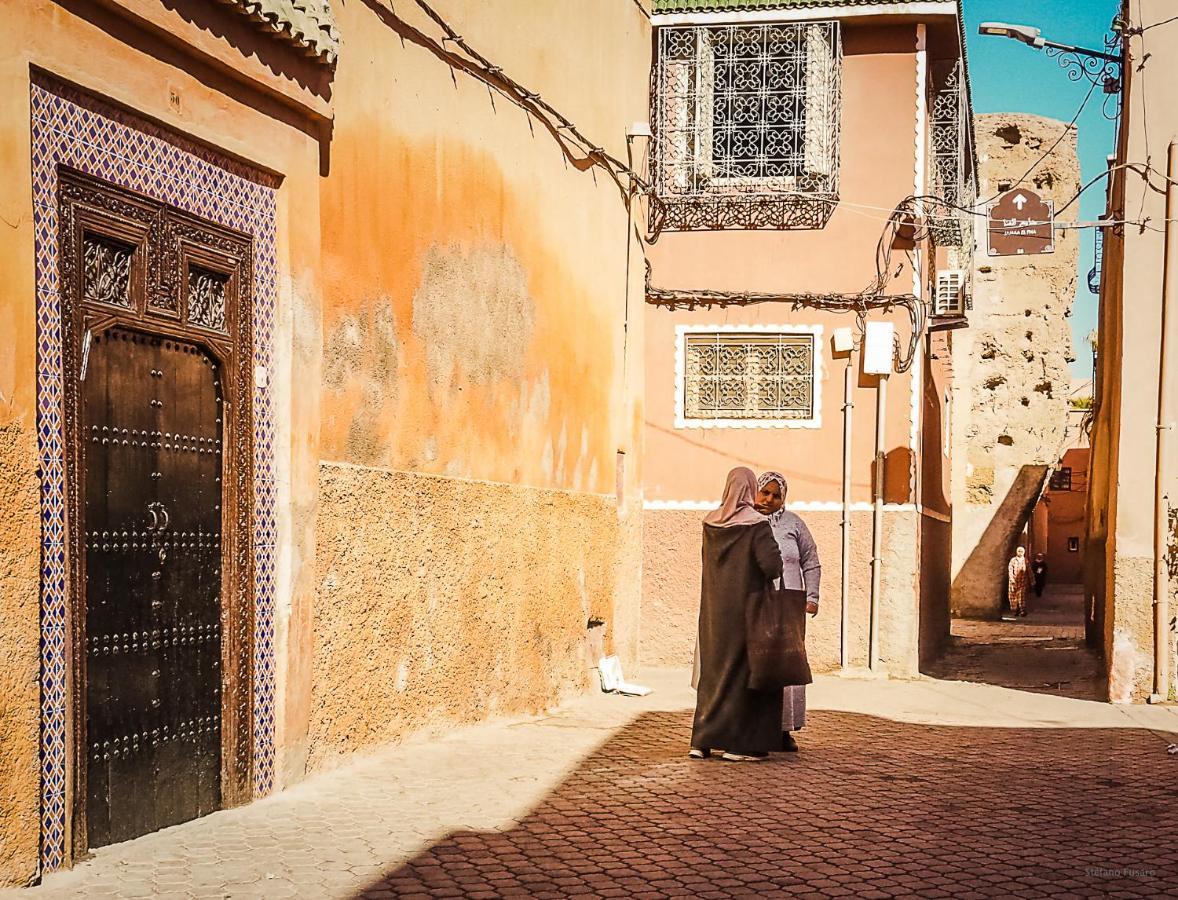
pixel 1011 378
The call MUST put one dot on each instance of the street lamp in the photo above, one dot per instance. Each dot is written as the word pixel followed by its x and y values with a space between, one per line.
pixel 1098 66
pixel 1025 33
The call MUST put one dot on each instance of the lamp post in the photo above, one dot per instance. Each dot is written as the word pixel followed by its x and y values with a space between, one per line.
pixel 1099 66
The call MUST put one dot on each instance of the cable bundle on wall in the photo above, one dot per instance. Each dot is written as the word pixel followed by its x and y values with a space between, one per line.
pixel 561 127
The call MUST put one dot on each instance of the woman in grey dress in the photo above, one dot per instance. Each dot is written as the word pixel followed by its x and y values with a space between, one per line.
pixel 802 571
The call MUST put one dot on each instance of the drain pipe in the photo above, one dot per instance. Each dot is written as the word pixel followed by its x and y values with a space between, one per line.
pixel 845 615
pixel 877 520
pixel 1163 426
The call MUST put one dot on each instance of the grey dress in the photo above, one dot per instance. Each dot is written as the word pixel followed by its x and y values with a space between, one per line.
pixel 801 571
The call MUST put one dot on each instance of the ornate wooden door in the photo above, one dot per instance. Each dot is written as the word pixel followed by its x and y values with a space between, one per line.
pixel 158 407
pixel 152 457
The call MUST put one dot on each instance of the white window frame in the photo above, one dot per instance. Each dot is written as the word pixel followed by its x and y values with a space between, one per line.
pixel 817 375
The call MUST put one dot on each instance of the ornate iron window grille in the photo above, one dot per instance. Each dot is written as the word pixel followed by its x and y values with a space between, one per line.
pixel 952 225
pixel 748 376
pixel 746 121
pixel 952 174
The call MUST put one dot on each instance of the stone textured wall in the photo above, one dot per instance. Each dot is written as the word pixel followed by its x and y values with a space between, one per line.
pixel 479 383
pixel 444 601
pixel 19 643
pixel 1011 366
pixel 671 579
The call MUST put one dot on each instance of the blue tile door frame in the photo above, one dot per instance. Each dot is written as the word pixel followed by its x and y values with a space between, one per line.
pixel 74 130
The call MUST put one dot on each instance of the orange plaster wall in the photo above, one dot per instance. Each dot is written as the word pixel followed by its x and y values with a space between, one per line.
pixel 1067 518
pixel 438 189
pixel 877 170
pixel 475 391
pixel 429 189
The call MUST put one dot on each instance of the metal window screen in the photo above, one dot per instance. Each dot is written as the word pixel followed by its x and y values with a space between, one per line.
pixel 747 122
pixel 952 173
pixel 749 376
pixel 1061 479
pixel 952 225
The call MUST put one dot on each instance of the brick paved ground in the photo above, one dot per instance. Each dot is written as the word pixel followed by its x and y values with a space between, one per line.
pixel 872 808
pixel 905 789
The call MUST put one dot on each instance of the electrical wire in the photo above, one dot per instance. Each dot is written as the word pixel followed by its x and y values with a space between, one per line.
pixel 1145 28
pixel 480 67
pixel 1050 150
pixel 873 296
pixel 564 129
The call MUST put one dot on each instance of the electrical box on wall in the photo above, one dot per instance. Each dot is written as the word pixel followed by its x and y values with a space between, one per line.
pixel 878 347
pixel 843 340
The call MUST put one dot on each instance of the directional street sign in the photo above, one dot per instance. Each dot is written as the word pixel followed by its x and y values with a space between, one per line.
pixel 1020 223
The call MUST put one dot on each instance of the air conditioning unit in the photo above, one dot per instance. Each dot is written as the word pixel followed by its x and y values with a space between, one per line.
pixel 950 295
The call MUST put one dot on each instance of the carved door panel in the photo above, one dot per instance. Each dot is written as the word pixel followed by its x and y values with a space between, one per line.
pixel 153 534
pixel 158 408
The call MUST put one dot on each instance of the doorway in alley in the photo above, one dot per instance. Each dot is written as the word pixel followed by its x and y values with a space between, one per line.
pixel 158 424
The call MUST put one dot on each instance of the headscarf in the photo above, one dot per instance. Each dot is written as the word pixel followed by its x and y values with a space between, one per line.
pixel 763 480
pixel 1018 563
pixel 740 493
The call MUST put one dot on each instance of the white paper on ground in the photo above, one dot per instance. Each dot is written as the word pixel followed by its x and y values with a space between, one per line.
pixel 610 670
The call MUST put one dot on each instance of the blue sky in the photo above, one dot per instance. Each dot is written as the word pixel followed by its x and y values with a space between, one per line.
pixel 1012 77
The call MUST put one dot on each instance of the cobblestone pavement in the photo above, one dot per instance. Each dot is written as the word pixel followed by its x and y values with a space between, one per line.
pixel 902 789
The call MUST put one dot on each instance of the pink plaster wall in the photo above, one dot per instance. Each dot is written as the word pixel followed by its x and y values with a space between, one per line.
pixel 878 161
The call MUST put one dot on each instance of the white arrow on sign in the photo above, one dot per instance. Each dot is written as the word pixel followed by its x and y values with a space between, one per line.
pixel 1020 201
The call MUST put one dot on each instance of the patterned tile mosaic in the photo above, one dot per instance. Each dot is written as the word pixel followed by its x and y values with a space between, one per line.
pixel 70 129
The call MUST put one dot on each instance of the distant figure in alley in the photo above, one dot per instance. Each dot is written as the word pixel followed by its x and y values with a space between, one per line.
pixel 1039 573
pixel 801 570
pixel 1016 582
pixel 740 556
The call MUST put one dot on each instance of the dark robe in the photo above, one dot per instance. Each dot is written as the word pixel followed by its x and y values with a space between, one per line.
pixel 737 560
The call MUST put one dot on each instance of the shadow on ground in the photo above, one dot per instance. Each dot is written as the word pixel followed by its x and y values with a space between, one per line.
pixel 1043 653
pixel 869 808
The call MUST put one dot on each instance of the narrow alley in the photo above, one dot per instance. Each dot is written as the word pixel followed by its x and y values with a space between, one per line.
pixel 393 389
pixel 1044 652
pixel 922 788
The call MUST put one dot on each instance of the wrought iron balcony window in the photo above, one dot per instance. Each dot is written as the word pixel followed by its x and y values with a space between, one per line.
pixel 953 224
pixel 747 124
pixel 952 173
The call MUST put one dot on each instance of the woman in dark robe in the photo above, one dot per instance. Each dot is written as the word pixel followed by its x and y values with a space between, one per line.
pixel 740 556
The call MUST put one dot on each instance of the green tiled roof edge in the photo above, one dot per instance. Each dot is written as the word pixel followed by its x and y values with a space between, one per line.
pixel 676 6
pixel 307 24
